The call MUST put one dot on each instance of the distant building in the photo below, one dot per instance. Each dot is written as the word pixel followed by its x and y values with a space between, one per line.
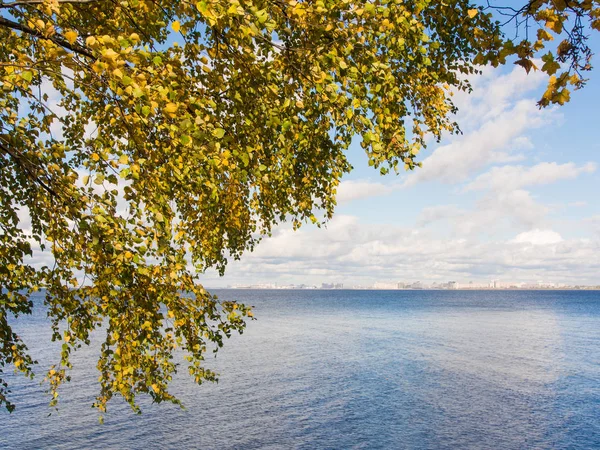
pixel 385 285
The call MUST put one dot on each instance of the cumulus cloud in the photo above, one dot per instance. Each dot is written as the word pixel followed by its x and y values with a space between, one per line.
pixel 538 237
pixel 491 214
pixel 465 155
pixel 354 252
pixel 515 177
pixel 433 214
pixel 359 189
pixel 521 205
pixel 505 199
pixel 495 118
pixel 494 93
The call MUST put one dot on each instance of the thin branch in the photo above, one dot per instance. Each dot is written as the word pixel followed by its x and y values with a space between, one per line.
pixel 56 39
pixel 39 2
pixel 31 175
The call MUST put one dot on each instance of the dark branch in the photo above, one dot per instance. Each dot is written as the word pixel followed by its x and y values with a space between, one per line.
pixel 39 2
pixel 56 39
pixel 29 173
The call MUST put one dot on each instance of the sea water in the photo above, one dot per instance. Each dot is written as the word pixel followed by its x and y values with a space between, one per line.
pixel 340 369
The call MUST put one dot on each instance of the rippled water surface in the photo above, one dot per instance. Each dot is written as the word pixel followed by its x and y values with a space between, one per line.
pixel 356 369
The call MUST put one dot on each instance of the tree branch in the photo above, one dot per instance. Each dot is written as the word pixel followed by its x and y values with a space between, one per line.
pixel 39 2
pixel 56 39
pixel 29 173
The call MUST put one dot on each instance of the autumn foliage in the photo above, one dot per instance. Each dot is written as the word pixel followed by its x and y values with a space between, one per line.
pixel 144 141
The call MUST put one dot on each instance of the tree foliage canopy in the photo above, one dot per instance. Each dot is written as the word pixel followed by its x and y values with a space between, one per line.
pixel 144 141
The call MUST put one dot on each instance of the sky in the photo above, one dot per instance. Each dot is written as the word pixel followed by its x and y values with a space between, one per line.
pixel 514 198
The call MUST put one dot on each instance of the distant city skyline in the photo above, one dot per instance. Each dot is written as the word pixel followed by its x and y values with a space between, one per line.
pixel 391 285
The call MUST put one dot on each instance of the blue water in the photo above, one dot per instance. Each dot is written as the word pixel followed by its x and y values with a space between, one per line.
pixel 356 369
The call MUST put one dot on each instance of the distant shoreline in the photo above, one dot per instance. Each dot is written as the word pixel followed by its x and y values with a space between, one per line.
pixel 594 288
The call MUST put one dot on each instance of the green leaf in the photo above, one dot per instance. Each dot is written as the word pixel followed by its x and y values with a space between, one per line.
pixel 202 7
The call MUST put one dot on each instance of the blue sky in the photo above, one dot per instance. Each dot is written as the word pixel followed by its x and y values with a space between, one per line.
pixel 514 199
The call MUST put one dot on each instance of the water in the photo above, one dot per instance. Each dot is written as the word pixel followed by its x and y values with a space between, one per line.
pixel 357 369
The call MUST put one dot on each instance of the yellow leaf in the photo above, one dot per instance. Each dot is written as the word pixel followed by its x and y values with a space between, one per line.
pixel 110 54
pixel 171 108
pixel 176 26
pixel 555 26
pixel 71 36
pixel 472 13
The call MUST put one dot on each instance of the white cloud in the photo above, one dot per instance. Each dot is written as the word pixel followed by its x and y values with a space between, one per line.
pixel 515 177
pixel 455 162
pixel 520 205
pixel 433 214
pixel 538 237
pixel 493 93
pixel 353 252
pixel 492 213
pixel 522 143
pixel 359 189
pixel 495 117
pixel 506 202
